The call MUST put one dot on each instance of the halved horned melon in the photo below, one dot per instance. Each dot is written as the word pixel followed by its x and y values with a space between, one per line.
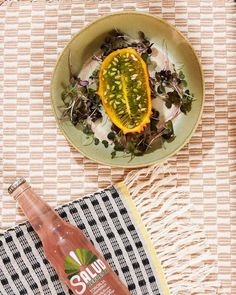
pixel 124 90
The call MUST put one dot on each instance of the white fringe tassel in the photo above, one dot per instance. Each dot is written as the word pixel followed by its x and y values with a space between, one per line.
pixel 181 246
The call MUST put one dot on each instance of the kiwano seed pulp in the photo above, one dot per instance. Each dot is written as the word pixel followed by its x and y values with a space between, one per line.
pixel 124 90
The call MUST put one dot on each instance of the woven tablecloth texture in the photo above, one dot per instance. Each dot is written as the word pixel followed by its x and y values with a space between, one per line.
pixel 32 34
pixel 106 218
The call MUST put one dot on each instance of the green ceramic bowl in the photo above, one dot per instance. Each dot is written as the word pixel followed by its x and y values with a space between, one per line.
pixel 88 40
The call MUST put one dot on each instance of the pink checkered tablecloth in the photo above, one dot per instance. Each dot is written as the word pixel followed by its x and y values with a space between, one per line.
pixel 33 33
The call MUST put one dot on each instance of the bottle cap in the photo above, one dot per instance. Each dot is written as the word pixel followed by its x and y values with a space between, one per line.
pixel 15 185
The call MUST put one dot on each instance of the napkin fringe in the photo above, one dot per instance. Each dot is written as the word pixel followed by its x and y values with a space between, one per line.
pixel 181 246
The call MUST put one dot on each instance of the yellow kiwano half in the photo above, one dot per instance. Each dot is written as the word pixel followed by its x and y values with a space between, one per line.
pixel 124 90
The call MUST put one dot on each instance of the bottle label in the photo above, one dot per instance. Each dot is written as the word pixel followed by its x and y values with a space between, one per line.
pixel 83 269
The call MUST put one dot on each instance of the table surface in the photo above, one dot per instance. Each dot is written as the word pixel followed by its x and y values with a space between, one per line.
pixel 32 34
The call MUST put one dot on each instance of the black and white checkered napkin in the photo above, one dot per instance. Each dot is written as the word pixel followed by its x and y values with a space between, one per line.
pixel 105 220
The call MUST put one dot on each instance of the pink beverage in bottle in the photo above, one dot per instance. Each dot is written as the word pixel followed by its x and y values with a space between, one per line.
pixel 74 258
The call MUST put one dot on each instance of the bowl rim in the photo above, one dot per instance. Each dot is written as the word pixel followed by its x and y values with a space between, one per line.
pixel 152 162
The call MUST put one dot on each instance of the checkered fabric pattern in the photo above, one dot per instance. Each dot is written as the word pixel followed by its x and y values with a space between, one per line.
pixel 32 34
pixel 104 219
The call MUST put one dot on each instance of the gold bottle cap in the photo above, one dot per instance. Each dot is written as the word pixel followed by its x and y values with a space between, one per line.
pixel 15 185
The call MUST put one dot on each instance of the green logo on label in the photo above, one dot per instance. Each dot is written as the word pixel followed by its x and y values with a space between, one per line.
pixel 84 269
pixel 76 259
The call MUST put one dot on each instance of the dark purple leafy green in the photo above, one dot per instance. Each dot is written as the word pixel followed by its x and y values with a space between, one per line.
pixel 83 105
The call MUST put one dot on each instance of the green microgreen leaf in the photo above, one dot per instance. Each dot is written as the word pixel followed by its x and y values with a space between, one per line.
pixel 111 135
pixel 161 89
pixel 87 129
pixel 184 83
pixel 105 143
pixel 145 56
pixel 113 154
pixel 96 141
pixel 119 147
pixel 168 133
pixel 181 75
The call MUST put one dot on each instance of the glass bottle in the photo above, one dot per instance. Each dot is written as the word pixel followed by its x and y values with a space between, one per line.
pixel 74 258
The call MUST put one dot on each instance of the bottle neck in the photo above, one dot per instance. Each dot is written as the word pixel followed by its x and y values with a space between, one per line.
pixel 40 215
